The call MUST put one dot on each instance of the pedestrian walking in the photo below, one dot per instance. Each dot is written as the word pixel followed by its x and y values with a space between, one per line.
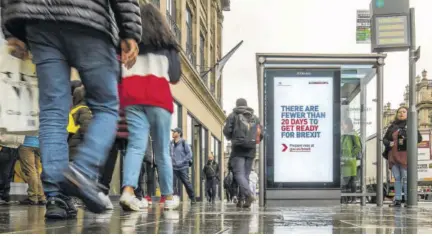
pixel 85 35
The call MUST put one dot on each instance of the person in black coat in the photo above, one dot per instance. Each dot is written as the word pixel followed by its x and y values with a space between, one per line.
pixel 86 35
pixel 211 174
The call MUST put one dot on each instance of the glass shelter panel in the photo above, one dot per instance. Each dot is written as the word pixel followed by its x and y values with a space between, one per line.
pixel 358 92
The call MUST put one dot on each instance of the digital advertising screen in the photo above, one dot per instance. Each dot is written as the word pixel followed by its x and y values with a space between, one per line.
pixel 302 119
pixel 303 130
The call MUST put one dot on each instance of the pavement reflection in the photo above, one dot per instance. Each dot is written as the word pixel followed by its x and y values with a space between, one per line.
pixel 224 219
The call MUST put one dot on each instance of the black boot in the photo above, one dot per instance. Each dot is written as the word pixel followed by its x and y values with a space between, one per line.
pixel 60 207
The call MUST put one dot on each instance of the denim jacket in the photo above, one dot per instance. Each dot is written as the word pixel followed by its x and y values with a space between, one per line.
pixel 181 154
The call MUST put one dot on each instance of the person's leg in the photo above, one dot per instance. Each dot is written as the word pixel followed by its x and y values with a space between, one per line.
pixel 53 70
pixel 28 165
pixel 139 128
pixel 404 182
pixel 150 172
pixel 397 184
pixel 239 171
pixel 108 170
pixel 176 188
pixel 94 56
pixel 248 167
pixel 10 167
pixel 160 120
pixel 352 188
pixel 208 189
pixel 184 178
pixel 214 188
pixel 139 191
pixel 40 192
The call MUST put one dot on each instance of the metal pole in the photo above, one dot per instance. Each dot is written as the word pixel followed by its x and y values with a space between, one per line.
pixel 261 146
pixel 363 121
pixel 379 127
pixel 412 118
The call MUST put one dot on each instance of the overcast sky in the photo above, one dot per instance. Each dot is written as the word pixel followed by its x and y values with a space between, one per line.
pixel 308 26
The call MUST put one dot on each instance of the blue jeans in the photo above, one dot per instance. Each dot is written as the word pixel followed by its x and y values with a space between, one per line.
pixel 56 47
pixel 400 175
pixel 143 120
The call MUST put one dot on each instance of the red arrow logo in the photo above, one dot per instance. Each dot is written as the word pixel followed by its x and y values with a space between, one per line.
pixel 284 147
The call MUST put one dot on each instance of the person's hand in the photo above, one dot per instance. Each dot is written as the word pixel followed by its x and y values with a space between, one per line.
pixel 17 48
pixel 129 52
pixel 391 144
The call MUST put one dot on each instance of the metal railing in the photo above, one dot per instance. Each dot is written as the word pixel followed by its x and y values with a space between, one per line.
pixel 173 26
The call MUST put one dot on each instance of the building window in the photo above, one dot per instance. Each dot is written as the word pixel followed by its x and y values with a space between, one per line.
pixel 189 128
pixel 203 65
pixel 175 116
pixel 189 36
pixel 213 78
pixel 171 7
pixel 172 18
pixel 219 91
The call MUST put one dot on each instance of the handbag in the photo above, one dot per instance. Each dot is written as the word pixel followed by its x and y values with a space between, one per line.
pixel 19 95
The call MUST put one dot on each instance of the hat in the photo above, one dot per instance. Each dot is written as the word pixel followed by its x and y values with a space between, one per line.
pixel 178 130
pixel 241 102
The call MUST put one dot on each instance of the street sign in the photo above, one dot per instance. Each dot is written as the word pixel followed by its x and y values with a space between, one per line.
pixel 363 32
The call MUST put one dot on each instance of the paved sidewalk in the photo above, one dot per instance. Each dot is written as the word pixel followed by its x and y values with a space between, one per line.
pixel 224 219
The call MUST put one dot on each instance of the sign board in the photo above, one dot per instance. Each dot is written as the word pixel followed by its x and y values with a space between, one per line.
pixel 424 170
pixel 424 148
pixel 424 165
pixel 363 31
pixel 390 25
pixel 303 129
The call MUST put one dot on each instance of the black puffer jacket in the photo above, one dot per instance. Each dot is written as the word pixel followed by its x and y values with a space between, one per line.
pixel 117 18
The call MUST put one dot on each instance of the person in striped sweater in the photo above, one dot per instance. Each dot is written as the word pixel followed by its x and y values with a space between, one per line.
pixel 146 98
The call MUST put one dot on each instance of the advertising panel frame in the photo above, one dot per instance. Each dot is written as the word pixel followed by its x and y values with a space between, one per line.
pixel 270 75
pixel 316 61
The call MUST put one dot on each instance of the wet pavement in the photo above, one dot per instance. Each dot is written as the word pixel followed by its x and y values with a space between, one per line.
pixel 224 218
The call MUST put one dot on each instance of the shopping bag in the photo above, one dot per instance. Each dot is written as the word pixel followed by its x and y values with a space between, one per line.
pixel 19 95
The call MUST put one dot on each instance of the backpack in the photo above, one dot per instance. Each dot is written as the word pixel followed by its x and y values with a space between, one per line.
pixel 244 132
pixel 73 127
pixel 360 154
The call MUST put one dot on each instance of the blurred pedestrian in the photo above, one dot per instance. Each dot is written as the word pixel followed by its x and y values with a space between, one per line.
pixel 145 95
pixel 62 34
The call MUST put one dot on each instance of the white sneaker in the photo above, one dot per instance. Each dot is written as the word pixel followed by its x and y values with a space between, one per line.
pixel 106 201
pixel 129 202
pixel 172 204
pixel 144 203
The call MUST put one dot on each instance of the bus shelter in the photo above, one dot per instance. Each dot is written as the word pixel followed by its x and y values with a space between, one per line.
pixel 309 105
